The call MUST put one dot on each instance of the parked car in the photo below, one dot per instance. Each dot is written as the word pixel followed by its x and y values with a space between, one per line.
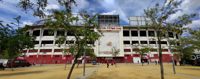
pixel 1 66
pixel 3 63
pixel 196 62
pixel 17 63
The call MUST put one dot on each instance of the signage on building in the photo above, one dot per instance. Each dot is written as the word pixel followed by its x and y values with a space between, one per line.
pixel 113 28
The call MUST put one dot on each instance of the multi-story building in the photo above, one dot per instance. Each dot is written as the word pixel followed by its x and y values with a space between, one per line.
pixel 122 38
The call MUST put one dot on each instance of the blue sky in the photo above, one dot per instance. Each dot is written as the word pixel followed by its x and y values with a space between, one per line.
pixel 123 8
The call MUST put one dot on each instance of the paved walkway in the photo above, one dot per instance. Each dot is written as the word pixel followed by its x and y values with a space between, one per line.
pixel 88 72
pixel 189 76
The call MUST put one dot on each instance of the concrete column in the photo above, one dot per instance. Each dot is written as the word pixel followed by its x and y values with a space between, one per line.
pixel 156 41
pixel 121 40
pixel 65 46
pixel 139 36
pixel 40 41
pixel 30 34
pixel 147 37
pixel 54 41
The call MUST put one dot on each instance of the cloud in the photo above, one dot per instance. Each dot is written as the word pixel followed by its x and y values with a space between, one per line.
pixel 27 23
pixel 9 9
pixel 194 25
pixel 187 7
pixel 81 5
pixel 52 6
pixel 114 12
pixel 123 8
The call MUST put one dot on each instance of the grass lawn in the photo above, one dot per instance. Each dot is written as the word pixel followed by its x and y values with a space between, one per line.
pixel 136 71
pixel 122 71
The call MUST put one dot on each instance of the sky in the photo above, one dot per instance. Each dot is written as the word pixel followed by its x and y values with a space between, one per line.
pixel 124 8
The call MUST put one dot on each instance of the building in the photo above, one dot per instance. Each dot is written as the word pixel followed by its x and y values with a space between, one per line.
pixel 122 38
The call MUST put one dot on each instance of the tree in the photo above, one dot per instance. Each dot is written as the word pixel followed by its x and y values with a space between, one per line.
pixel 115 52
pixel 142 50
pixel 195 39
pixel 158 16
pixel 13 41
pixel 184 48
pixel 64 19
pixel 82 35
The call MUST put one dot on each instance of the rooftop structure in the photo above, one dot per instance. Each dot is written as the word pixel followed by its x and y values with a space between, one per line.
pixel 108 20
pixel 138 21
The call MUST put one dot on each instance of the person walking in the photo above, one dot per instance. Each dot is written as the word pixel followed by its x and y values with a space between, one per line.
pixel 107 64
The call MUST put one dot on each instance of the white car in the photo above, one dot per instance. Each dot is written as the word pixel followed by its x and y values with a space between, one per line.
pixel 4 62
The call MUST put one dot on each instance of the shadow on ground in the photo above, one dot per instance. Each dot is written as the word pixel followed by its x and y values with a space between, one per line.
pixel 192 68
pixel 21 73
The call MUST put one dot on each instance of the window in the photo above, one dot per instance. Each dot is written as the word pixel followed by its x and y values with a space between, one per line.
pixel 151 33
pixel 161 34
pixel 143 33
pixel 36 33
pixel 90 42
pixel 134 33
pixel 47 42
pixel 170 34
pixel 135 42
pixel 152 42
pixel 30 56
pixel 178 44
pixel 56 55
pixel 163 42
pixel 48 33
pixel 36 42
pixel 70 33
pixel 126 42
pixel 143 42
pixel 69 42
pixel 125 33
pixel 153 50
pixel 127 50
pixel 60 33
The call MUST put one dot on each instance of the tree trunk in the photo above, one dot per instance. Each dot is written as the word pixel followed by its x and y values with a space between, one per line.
pixel 115 61
pixel 160 59
pixel 65 65
pixel 11 65
pixel 141 60
pixel 77 64
pixel 72 68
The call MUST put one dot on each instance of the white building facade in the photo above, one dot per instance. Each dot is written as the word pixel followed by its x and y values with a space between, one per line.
pixel 122 38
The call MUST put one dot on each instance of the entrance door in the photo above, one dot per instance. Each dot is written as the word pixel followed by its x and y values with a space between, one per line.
pixel 136 60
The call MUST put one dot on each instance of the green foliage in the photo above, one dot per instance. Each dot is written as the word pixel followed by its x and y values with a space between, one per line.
pixel 142 51
pixel 195 39
pixel 39 6
pixel 13 41
pixel 13 45
pixel 60 40
pixel 159 15
pixel 183 46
